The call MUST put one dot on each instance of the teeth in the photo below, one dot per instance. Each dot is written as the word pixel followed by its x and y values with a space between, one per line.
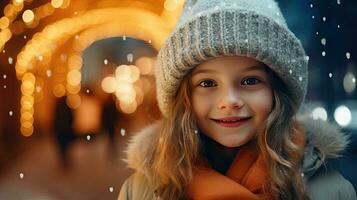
pixel 229 120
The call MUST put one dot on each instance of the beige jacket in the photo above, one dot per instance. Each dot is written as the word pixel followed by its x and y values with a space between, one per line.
pixel 323 141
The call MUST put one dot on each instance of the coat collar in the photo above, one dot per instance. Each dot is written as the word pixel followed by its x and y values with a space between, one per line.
pixel 323 141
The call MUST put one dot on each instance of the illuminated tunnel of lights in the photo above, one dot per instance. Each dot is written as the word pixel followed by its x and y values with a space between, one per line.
pixel 70 27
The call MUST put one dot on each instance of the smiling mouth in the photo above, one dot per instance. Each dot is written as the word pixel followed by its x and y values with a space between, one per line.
pixel 231 123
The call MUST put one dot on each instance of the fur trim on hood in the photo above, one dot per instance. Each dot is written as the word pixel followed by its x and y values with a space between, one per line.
pixel 323 141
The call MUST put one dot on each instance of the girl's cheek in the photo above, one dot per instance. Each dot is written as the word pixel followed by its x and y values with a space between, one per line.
pixel 202 102
pixel 263 101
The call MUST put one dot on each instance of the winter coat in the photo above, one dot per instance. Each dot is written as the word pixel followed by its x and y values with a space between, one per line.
pixel 323 141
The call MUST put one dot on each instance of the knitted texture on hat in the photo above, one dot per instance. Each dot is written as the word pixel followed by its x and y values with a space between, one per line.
pixel 214 28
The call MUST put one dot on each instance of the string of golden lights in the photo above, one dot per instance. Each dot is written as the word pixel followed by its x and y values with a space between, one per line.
pixel 82 30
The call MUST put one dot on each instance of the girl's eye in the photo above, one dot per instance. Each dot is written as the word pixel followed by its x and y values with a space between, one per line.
pixel 250 81
pixel 207 83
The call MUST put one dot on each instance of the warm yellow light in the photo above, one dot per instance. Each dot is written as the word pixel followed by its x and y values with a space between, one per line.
pixel 56 3
pixel 9 10
pixel 170 5
pixel 26 131
pixel 75 62
pixel 4 22
pixel 73 89
pixel 29 77
pixel 146 65
pixel 18 1
pixel 29 109
pixel 134 73
pixel 66 3
pixel 109 84
pixel 26 119
pixel 128 97
pixel 127 108
pixel 18 6
pixel 28 16
pixel 74 77
pixel 127 73
pixel 27 88
pixel 59 90
pixel 122 73
pixel 26 116
pixel 123 89
pixel 27 102
pixel 48 9
pixel 73 101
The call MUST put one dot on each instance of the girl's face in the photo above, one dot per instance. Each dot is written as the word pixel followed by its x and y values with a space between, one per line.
pixel 235 89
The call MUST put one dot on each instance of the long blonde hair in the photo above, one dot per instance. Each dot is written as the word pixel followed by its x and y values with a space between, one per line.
pixel 178 149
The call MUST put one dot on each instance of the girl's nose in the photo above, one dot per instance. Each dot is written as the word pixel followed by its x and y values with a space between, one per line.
pixel 230 99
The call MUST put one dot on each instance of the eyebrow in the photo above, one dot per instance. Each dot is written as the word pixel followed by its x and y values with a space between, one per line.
pixel 212 71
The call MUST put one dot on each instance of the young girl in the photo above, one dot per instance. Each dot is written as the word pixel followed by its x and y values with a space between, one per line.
pixel 231 78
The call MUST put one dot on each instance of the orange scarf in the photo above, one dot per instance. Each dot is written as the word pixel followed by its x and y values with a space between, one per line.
pixel 246 179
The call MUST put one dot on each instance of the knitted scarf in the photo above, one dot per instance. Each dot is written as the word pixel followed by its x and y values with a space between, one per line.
pixel 246 179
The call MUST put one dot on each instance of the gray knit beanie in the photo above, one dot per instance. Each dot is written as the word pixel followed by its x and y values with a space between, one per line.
pixel 214 28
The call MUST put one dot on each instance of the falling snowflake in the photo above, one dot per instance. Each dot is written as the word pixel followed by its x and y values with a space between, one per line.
pixel 307 58
pixel 311 5
pixel 317 33
pixel 88 137
pixel 76 37
pixel 122 132
pixel 4 76
pixel 150 41
pixel 75 13
pixel 324 19
pixel 5 86
pixel 338 26
pixel 87 91
pixel 25 37
pixel 290 71
pixel 323 41
pixel 129 57
pixel 10 60
pixel 111 189
pixel 49 73
pixel 339 2
pixel 21 175
pixel 330 75
pixel 40 57
pixel 105 61
pixel 300 78
pixel 11 112
pixel 196 131
pixel 3 51
pixel 353 80
pixel 323 53
pixel 313 17
pixel 124 37
pixel 348 55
